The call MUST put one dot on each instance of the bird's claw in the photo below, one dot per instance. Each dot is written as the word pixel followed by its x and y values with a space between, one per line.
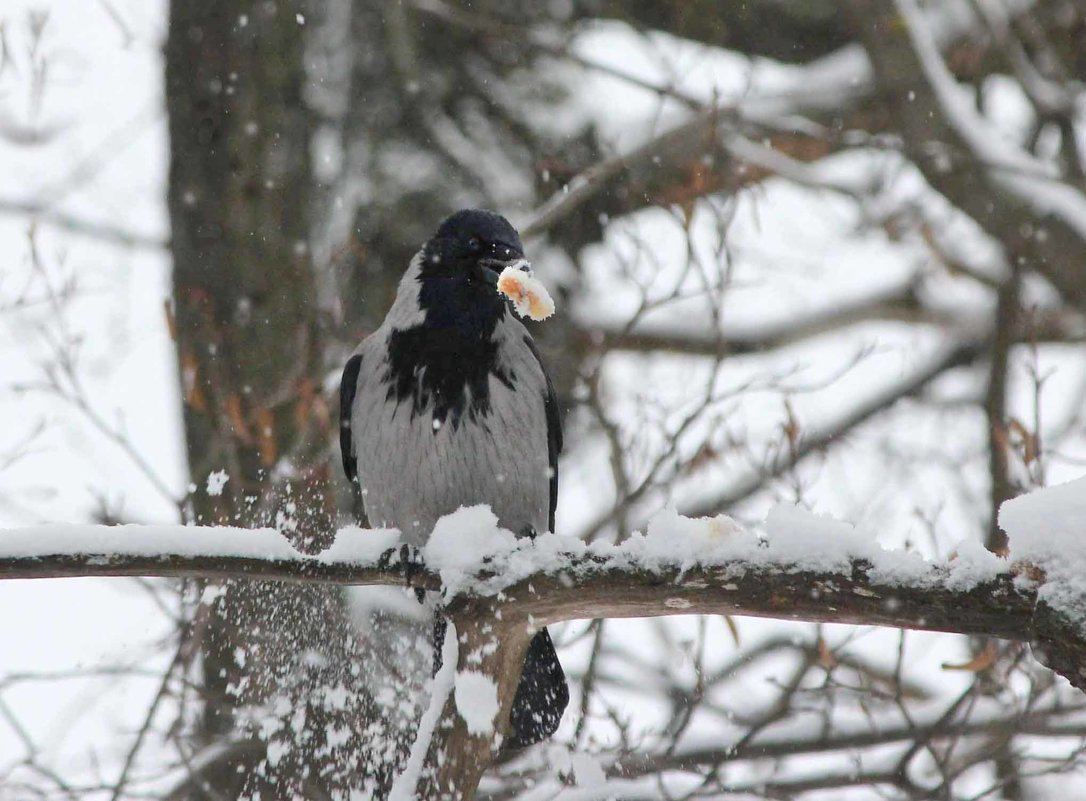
pixel 410 556
pixel 409 559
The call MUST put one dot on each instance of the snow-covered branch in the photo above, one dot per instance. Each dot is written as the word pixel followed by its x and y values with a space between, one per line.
pixel 555 578
pixel 213 552
pixel 962 155
pixel 498 589
pixel 805 567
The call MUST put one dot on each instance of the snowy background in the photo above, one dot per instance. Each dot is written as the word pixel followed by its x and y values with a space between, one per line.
pixel 90 409
pixel 90 143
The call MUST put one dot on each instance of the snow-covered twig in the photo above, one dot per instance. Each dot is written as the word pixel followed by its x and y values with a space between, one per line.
pixel 1031 180
pixel 406 784
pixel 825 87
pixel 214 552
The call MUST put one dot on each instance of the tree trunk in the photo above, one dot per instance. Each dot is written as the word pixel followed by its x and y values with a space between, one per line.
pixel 250 352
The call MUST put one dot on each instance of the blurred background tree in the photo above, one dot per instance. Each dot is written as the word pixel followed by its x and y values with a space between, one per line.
pixel 825 253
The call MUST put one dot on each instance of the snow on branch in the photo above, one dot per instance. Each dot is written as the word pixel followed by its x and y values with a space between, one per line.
pixel 992 179
pixel 805 99
pixel 803 567
pixel 214 552
pixel 499 589
pixel 1038 184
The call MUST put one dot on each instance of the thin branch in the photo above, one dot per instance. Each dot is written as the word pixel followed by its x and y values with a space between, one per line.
pixel 962 354
pixel 148 720
pixel 896 303
pixel 1035 725
pixel 995 408
pixel 66 222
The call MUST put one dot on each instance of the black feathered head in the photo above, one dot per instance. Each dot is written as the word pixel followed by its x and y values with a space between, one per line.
pixel 472 238
pixel 459 270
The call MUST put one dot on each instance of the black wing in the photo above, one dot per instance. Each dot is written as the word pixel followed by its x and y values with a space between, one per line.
pixel 554 428
pixel 347 388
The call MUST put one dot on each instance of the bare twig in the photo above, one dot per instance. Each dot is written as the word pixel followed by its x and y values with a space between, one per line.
pixel 66 222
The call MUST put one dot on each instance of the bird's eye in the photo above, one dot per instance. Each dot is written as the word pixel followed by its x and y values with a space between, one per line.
pixel 474 244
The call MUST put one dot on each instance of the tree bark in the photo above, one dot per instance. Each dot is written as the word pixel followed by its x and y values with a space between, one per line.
pixel 250 353
pixel 492 639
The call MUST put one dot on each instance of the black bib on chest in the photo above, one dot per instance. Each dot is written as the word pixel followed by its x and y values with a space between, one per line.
pixel 443 370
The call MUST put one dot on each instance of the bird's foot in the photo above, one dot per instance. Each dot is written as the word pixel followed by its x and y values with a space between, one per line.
pixel 410 556
pixel 409 559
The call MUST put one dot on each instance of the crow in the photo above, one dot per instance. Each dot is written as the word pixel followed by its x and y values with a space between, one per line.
pixel 448 404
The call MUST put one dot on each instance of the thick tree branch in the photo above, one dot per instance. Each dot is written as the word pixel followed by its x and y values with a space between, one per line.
pixel 511 595
pixel 221 566
pixel 457 757
pixel 563 582
pixel 565 585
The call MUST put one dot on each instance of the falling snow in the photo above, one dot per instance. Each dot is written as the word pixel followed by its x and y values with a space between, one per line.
pixel 216 481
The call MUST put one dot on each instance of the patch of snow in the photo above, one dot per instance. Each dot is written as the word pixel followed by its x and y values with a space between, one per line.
pixel 669 533
pixel 277 749
pixel 476 697
pixel 336 697
pixel 403 788
pixel 1048 523
pixel 144 540
pixel 587 770
pixel 216 481
pixel 971 564
pixel 819 542
pixel 462 540
pixel 1045 528
pixel 211 593
pixel 338 736
pixel 558 758
pixel 359 545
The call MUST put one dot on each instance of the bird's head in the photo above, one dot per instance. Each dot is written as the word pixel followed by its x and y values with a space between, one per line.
pixel 459 268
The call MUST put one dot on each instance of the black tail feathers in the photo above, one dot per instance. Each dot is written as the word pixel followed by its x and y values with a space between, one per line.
pixel 542 695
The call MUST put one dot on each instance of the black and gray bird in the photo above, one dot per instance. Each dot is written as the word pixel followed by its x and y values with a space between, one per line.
pixel 447 404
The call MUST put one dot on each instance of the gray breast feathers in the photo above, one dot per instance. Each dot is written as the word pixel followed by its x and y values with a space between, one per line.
pixel 422 454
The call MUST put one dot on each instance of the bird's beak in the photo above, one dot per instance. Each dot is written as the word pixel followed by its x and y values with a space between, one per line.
pixel 490 269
